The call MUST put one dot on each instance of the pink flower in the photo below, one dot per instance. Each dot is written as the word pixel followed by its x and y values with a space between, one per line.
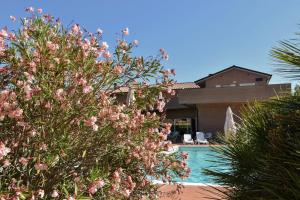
pixel 160 106
pixel 99 31
pixel 167 72
pixel 52 46
pixel 135 42
pixel 6 163
pixel 82 82
pixel 40 166
pixel 95 186
pixel 47 17
pixel 12 18
pixel 4 93
pixel 3 33
pixel 3 150
pixel 75 29
pixel 169 90
pixel 33 133
pixel 59 94
pixel 118 69
pixel 173 92
pixel 164 54
pixel 29 77
pixel 123 44
pixel 107 55
pixel 87 89
pixel 24 33
pixel 126 193
pixel 56 60
pixel 95 127
pixel 129 183
pixel 28 92
pixel 112 188
pixel 39 10
pixel 91 121
pixel 23 161
pixel 183 164
pixel 104 45
pixel 160 96
pixel 54 194
pixel 17 113
pixel 114 117
pixel 32 65
pixel 116 176
pixel 93 189
pixel 12 36
pixel 100 183
pixel 48 105
pixel 71 198
pixel 29 9
pixel 44 147
pixel 184 155
pixel 125 31
pixel 41 193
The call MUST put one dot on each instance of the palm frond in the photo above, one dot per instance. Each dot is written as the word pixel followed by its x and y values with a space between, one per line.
pixel 287 57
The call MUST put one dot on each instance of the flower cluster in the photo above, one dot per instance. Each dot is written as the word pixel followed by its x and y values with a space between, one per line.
pixel 65 132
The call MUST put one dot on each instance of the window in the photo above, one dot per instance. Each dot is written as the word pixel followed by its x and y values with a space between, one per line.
pixel 259 79
pixel 182 126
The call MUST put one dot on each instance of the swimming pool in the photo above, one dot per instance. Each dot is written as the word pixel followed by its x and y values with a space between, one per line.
pixel 198 159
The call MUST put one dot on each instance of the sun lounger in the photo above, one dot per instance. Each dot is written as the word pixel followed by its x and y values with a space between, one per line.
pixel 200 138
pixel 187 139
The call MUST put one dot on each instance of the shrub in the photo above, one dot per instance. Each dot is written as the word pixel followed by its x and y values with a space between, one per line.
pixel 63 134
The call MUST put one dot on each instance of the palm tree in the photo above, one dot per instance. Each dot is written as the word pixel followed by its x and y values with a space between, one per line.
pixel 265 154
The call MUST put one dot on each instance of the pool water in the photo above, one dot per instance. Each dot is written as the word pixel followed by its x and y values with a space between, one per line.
pixel 198 159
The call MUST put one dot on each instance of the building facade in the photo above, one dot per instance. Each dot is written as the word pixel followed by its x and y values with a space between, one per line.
pixel 202 105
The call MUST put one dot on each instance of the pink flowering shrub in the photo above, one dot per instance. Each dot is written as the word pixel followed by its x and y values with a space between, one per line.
pixel 63 133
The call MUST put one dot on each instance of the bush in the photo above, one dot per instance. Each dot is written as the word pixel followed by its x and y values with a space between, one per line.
pixel 63 134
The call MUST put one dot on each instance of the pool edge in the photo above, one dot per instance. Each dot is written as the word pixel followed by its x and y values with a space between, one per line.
pixel 188 184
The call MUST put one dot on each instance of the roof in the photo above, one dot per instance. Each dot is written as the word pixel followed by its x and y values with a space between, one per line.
pixel 185 85
pixel 176 86
pixel 229 68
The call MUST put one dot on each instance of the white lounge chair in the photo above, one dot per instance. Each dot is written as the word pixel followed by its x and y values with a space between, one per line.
pixel 200 138
pixel 187 139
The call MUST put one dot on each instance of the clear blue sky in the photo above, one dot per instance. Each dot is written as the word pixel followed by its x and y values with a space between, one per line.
pixel 201 36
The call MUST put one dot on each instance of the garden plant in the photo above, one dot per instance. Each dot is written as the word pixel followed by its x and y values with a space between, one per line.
pixel 64 134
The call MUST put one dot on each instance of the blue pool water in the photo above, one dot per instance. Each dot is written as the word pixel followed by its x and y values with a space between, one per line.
pixel 198 159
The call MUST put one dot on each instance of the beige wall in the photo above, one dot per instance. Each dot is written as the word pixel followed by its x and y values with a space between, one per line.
pixel 232 94
pixel 211 103
pixel 211 117
pixel 237 75
pixel 174 104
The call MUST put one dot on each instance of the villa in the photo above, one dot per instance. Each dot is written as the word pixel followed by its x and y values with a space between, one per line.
pixel 201 105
